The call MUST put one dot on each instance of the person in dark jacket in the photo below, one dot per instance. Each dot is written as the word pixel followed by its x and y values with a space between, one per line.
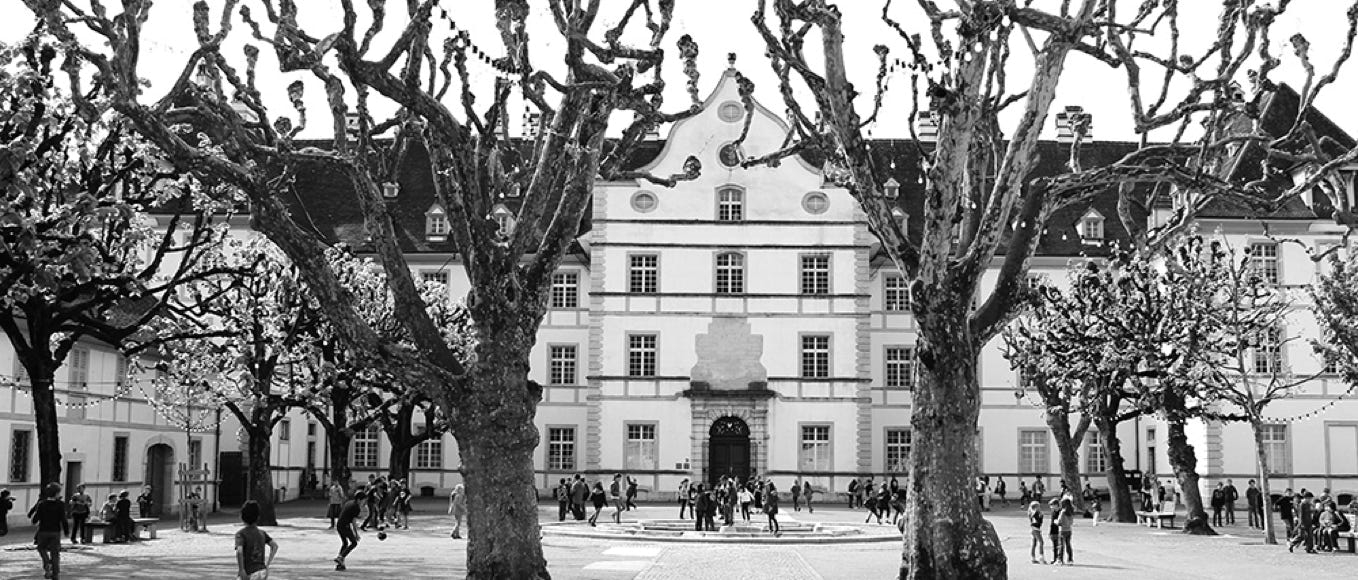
pixel 853 491
pixel 1284 506
pixel 579 495
pixel 1218 504
pixel 144 503
pixel 562 491
pixel 599 499
pixel 1232 495
pixel 1306 521
pixel 771 508
pixel 1254 500
pixel 50 516
pixel 705 507
pixel 631 493
pixel 6 504
pixel 122 518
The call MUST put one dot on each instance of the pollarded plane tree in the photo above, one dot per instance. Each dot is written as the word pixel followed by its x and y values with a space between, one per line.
pixel 80 257
pixel 1067 357
pixel 490 403
pixel 979 182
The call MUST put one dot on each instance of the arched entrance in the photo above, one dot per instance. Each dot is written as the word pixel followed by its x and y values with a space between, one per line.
pixel 728 449
pixel 160 476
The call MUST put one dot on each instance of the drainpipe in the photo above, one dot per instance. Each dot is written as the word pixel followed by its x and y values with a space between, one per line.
pixel 217 460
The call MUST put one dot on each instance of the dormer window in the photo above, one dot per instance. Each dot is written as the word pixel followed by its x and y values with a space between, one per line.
pixel 901 218
pixel 390 189
pixel 436 224
pixel 504 219
pixel 1091 227
pixel 891 189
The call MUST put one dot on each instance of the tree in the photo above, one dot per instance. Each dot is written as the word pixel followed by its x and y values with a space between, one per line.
pixel 491 403
pixel 79 257
pixel 1253 374
pixel 979 182
pixel 267 323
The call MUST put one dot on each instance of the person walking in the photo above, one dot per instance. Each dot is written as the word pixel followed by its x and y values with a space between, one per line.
pixel 50 516
pixel 808 491
pixel 1284 507
pixel 1254 502
pixel 251 564
pixel 1305 515
pixel 1067 527
pixel 1036 551
pixel 562 491
pixel 853 491
pixel 631 493
pixel 6 504
pixel 600 499
pixel 615 494
pixel 796 495
pixel 579 495
pixel 771 508
pixel 336 497
pixel 347 527
pixel 683 497
pixel 746 498
pixel 403 507
pixel 81 504
pixel 1232 494
pixel 457 507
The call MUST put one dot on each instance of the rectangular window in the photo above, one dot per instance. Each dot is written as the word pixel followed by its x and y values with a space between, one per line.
pixel 311 429
pixel 437 225
pixel 815 356
pixel 900 367
pixel 1331 365
pixel 561 448
pixel 561 364
pixel 895 296
pixel 123 371
pixel 815 452
pixel 1268 352
pixel 1277 452
pixel 897 450
pixel 429 454
pixel 365 448
pixel 816 275
pixel 1091 230
pixel 80 368
pixel 1264 261
pixel 1033 451
pixel 730 273
pixel 195 453
pixel 120 458
pixel 730 205
pixel 1096 455
pixel 641 355
pixel 20 372
pixel 440 276
pixel 640 448
pixel 20 450
pixel 643 274
pixel 566 290
pixel 285 430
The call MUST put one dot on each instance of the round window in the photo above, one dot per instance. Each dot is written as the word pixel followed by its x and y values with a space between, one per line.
pixel 644 201
pixel 731 111
pixel 815 202
pixel 729 155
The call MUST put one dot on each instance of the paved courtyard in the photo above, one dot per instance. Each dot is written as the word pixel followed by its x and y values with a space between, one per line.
pixel 426 551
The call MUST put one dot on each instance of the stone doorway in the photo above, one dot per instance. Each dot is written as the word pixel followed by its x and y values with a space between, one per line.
pixel 728 449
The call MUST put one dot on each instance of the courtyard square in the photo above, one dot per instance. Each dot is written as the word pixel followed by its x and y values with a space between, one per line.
pixel 1109 551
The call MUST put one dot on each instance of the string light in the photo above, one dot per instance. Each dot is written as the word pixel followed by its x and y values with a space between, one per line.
pixel 463 36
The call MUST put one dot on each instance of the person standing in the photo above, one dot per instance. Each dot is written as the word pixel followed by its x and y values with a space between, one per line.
pixel 50 516
pixel 1000 491
pixel 1038 489
pixel 807 492
pixel 563 499
pixel 1067 528
pixel 579 494
pixel 1054 529
pixel 250 542
pixel 1036 551
pixel 1306 517
pixel 347 527
pixel 700 505
pixel 143 502
pixel 746 498
pixel 683 497
pixel 853 491
pixel 1218 504
pixel 122 518
pixel 1284 506
pixel 615 494
pixel 81 504
pixel 1232 494
pixel 6 504
pixel 1254 501
pixel 457 507
pixel 336 496
pixel 796 495
pixel 771 508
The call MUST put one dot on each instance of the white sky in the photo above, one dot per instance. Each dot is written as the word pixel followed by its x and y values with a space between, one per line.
pixel 722 26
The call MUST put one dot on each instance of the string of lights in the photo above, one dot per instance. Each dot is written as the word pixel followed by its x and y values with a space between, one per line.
pixel 166 411
pixel 463 36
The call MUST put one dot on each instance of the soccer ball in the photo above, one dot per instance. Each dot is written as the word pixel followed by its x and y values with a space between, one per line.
pixel 381 533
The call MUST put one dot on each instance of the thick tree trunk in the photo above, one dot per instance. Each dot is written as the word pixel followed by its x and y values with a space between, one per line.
pixel 945 535
pixel 1185 464
pixel 398 464
pixel 47 425
pixel 1261 457
pixel 1068 451
pixel 402 441
pixel 1119 492
pixel 496 436
pixel 259 486
pixel 338 436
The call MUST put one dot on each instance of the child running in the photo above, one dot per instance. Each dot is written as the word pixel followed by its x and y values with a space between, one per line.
pixel 348 530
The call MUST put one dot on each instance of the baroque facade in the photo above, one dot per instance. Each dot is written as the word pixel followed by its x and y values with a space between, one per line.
pixel 744 322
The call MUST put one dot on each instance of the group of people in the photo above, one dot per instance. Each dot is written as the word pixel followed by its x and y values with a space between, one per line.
pixel 574 495
pixel 57 518
pixel 1314 522
pixel 387 502
pixel 704 502
pixel 881 500
pixel 1059 528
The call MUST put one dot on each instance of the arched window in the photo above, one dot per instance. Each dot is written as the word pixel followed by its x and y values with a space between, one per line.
pixel 730 204
pixel 730 273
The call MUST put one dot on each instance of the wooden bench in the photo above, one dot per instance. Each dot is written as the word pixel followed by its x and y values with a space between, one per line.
pixel 138 526
pixel 1155 519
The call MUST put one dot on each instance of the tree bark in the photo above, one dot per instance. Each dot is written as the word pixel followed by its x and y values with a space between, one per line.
pixel 496 436
pixel 945 535
pixel 1067 447
pixel 1270 537
pixel 260 475
pixel 1185 464
pixel 1118 491
pixel 339 436
pixel 402 441
pixel 46 423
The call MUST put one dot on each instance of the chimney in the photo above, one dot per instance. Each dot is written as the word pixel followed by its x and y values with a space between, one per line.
pixel 926 126
pixel 351 124
pixel 1074 120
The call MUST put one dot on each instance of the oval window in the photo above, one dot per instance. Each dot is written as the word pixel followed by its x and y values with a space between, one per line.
pixel 644 201
pixel 731 111
pixel 729 155
pixel 815 202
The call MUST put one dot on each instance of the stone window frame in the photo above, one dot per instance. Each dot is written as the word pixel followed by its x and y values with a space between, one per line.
pixel 574 443
pixel 802 354
pixel 829 443
pixel 1026 469
pixel 828 272
pixel 565 293
pixel 655 354
pixel 887 447
pixel 655 443
pixel 740 204
pixel 913 364
pixel 1094 440
pixel 120 475
pixel 574 375
pixel 741 272
pixel 631 267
